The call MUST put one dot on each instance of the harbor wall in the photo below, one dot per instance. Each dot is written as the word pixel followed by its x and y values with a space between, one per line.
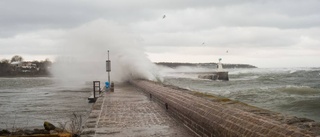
pixel 216 76
pixel 212 119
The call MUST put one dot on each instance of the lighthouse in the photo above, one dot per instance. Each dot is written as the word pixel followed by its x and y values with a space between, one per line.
pixel 217 74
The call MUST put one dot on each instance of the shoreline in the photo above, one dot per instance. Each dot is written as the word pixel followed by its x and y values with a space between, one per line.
pixel 36 76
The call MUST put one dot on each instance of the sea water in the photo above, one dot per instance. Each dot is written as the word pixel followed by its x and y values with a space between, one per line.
pixel 292 91
pixel 26 102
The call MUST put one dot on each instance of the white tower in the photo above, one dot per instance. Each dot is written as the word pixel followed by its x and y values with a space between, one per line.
pixel 220 65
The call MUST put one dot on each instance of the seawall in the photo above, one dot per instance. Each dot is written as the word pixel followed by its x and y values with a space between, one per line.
pixel 214 119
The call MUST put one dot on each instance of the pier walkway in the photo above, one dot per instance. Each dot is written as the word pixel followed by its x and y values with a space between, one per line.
pixel 129 112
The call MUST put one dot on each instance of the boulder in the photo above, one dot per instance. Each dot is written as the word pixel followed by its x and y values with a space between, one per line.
pixel 48 126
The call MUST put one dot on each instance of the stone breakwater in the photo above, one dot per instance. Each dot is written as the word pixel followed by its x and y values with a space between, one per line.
pixel 209 118
pixel 128 112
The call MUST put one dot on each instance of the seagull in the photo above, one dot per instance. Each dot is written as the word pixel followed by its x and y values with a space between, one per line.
pixel 164 16
pixel 227 51
pixel 203 43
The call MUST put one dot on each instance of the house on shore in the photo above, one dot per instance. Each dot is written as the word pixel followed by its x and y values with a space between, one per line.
pixel 24 67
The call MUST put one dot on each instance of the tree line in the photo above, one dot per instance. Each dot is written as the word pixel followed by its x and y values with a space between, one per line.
pixel 16 66
pixel 209 65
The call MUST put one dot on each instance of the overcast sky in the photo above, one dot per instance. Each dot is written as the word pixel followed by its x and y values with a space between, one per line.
pixel 264 33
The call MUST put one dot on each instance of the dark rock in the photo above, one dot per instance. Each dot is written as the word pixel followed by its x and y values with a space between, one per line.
pixel 28 132
pixel 75 135
pixel 298 120
pixel 4 132
pixel 18 132
pixel 88 132
pixel 40 131
pixel 48 126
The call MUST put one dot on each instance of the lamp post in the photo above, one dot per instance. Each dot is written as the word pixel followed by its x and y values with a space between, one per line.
pixel 108 67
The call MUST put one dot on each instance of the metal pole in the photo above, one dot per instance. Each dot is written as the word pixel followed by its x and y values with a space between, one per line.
pixel 108 71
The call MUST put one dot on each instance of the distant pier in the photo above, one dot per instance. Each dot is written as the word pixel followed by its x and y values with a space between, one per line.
pixel 215 76
pixel 218 74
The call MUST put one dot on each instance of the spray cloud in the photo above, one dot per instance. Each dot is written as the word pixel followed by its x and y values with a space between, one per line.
pixel 83 52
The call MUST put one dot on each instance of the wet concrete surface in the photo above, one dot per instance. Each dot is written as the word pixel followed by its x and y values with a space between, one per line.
pixel 128 112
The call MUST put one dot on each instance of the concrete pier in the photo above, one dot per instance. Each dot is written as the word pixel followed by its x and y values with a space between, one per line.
pixel 223 117
pixel 147 108
pixel 130 112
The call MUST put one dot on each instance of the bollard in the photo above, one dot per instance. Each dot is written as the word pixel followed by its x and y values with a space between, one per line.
pixel 107 86
pixel 112 87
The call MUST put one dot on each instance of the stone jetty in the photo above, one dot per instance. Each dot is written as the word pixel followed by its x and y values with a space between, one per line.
pixel 129 112
pixel 147 108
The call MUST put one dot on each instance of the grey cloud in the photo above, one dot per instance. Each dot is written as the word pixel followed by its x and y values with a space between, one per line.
pixel 280 14
pixel 35 27
pixel 29 15
pixel 228 37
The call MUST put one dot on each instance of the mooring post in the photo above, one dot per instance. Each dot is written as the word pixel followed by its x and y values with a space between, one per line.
pixel 96 85
pixel 94 89
pixel 112 87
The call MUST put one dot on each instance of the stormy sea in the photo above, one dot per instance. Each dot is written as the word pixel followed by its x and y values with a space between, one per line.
pixel 292 91
pixel 28 102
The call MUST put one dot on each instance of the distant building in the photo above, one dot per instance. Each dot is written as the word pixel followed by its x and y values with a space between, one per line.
pixel 24 66
pixel 16 64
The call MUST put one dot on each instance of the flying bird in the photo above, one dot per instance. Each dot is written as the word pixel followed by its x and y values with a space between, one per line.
pixel 227 51
pixel 164 16
pixel 203 43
